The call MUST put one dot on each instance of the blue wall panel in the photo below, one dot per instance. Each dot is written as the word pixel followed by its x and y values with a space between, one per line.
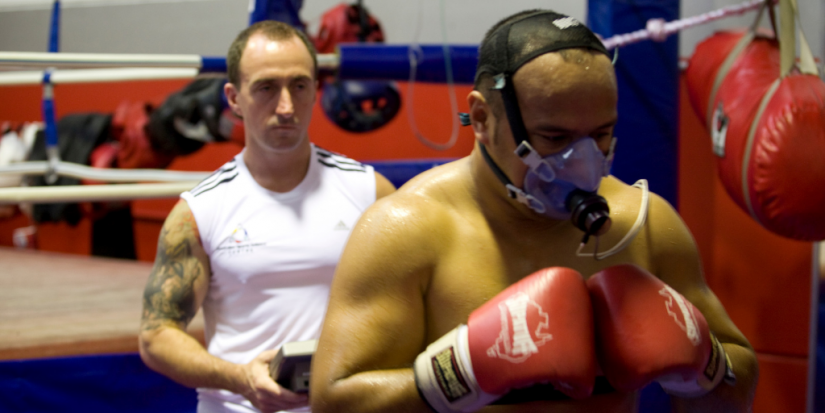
pixel 648 78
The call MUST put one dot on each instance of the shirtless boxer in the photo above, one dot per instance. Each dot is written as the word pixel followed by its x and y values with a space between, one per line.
pixel 453 244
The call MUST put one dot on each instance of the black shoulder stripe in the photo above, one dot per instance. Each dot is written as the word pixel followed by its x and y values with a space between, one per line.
pixel 214 176
pixel 222 181
pixel 337 158
pixel 335 165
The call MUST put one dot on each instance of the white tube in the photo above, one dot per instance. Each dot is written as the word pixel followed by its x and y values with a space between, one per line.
pixel 111 60
pixel 78 171
pixel 88 193
pixel 328 61
pixel 96 60
pixel 97 75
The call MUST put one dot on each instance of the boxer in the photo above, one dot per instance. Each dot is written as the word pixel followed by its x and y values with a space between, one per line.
pixel 464 290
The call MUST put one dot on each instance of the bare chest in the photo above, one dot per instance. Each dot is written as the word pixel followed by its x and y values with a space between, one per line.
pixel 481 263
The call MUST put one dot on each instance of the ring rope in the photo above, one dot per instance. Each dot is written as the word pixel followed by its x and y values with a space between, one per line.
pixel 91 193
pixel 79 171
pixel 659 30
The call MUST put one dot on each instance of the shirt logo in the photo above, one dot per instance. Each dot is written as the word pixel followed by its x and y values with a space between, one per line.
pixel 523 329
pixel 687 322
pixel 566 23
pixel 238 241
pixel 239 234
pixel 341 226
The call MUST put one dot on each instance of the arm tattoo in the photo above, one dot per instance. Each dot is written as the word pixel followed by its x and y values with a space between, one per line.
pixel 170 293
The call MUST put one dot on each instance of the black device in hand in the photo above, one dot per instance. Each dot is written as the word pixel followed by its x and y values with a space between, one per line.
pixel 290 367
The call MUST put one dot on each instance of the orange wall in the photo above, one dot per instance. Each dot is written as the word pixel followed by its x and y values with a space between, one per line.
pixel 763 280
pixel 395 140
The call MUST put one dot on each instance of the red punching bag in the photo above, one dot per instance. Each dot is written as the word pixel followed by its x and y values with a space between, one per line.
pixel 766 117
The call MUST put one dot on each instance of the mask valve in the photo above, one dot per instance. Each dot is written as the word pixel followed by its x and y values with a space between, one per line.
pixel 589 212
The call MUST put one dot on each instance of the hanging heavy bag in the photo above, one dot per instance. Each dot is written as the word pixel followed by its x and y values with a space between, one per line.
pixel 766 116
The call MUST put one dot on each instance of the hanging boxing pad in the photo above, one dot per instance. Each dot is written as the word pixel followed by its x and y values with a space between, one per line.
pixel 705 63
pixel 767 131
pixel 785 175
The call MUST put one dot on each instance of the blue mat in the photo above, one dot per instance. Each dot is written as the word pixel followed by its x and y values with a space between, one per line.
pixel 122 383
pixel 100 384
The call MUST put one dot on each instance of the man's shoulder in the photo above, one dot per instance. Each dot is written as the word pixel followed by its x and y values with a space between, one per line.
pixel 338 162
pixel 663 227
pixel 430 200
pixel 218 180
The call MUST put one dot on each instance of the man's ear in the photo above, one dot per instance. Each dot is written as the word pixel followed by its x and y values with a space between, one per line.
pixel 231 93
pixel 480 117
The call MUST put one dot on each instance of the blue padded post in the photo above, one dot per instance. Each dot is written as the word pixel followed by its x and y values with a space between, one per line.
pixel 400 171
pixel 54 28
pixel 281 10
pixel 648 77
pixel 365 61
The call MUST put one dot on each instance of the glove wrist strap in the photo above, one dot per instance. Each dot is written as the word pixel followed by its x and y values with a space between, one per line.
pixel 717 370
pixel 444 375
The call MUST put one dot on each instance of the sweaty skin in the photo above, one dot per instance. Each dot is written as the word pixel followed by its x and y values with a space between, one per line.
pixel 420 261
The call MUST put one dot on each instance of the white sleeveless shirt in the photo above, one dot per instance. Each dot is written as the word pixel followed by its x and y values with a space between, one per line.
pixel 272 256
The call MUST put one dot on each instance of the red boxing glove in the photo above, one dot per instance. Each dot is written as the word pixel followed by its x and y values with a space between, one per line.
pixel 647 331
pixel 538 330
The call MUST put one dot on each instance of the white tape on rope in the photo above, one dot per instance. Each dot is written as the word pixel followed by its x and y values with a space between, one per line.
pixel 78 171
pixel 89 193
pixel 97 75
pixel 96 60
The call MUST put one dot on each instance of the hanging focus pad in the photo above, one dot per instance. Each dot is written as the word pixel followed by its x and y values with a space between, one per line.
pixel 768 133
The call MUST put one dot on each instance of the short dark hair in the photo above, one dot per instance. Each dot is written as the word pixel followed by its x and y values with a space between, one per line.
pixel 273 30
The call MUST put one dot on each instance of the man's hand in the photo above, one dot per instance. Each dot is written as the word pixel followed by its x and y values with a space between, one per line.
pixel 264 393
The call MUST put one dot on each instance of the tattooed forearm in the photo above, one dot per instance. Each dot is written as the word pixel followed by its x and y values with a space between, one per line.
pixel 170 294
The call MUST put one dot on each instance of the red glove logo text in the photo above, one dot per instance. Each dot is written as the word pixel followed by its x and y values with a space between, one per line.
pixel 523 329
pixel 690 325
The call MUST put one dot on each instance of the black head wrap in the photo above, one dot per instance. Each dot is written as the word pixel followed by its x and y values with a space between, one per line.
pixel 514 42
pixel 522 39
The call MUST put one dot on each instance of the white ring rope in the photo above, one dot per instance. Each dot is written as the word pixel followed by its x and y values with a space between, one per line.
pixel 658 30
pixel 90 193
pixel 97 75
pixel 97 60
pixel 110 60
pixel 79 171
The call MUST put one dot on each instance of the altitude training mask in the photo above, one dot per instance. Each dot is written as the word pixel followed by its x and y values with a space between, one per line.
pixel 562 185
pixel 552 182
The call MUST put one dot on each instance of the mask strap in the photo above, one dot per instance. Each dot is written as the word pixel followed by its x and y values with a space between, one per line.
pixel 535 162
pixel 608 161
pixel 504 84
pixel 512 191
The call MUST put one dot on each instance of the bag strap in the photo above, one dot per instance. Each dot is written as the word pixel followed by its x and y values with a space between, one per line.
pixel 788 17
pixel 740 46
